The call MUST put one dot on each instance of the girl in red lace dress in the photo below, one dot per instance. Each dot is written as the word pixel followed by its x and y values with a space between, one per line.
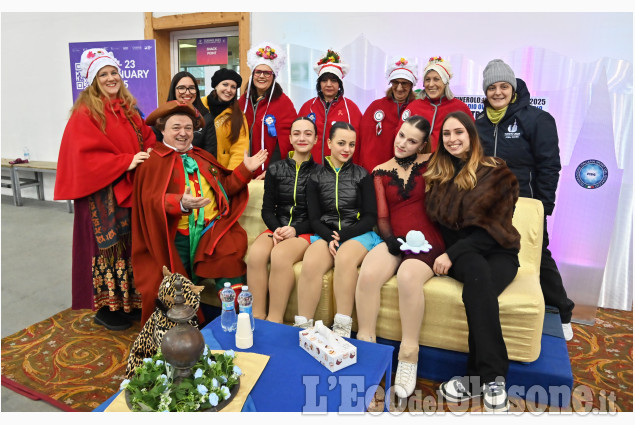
pixel 400 191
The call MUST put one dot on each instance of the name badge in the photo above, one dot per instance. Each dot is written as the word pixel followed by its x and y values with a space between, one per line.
pixel 379 117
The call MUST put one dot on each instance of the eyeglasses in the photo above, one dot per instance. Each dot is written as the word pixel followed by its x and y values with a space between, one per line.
pixel 183 89
pixel 258 73
pixel 404 84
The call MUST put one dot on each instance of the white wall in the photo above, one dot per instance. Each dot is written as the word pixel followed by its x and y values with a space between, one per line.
pixel 36 84
pixel 481 36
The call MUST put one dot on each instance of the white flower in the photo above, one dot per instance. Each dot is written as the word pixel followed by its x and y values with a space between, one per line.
pixel 205 350
pixel 124 384
pixel 225 392
pixel 237 371
pixel 148 360
pixel 213 399
pixel 214 383
pixel 162 378
pixel 159 362
pixel 202 389
pixel 230 353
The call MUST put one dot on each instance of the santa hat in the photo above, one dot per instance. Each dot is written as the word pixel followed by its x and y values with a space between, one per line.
pixel 266 53
pixel 331 63
pixel 95 59
pixel 401 67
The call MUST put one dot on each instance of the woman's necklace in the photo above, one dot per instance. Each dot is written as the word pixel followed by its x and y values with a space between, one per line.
pixel 407 161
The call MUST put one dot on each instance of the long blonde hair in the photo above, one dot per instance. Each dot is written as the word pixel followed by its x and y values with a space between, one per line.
pixel 93 98
pixel 441 168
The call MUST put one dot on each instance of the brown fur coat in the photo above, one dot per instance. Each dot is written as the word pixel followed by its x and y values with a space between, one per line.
pixel 490 205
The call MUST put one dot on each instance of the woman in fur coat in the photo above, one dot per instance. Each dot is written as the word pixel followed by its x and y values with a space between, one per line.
pixel 472 198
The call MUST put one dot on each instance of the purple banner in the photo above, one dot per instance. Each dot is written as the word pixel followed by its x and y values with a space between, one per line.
pixel 138 68
pixel 211 51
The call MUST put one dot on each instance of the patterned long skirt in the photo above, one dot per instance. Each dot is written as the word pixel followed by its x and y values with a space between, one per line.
pixel 99 281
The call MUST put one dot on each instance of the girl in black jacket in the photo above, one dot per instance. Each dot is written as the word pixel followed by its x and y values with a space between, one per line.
pixel 284 211
pixel 343 211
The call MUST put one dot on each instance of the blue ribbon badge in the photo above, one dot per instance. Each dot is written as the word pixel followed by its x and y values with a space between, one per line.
pixel 270 121
pixel 311 116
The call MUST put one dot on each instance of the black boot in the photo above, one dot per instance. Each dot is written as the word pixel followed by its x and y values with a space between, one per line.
pixel 111 319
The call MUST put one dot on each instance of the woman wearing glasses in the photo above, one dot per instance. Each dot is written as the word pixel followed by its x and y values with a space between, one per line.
pixel 384 116
pixel 269 111
pixel 232 134
pixel 438 100
pixel 185 89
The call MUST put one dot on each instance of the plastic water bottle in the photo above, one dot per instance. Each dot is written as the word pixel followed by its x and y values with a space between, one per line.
pixel 245 302
pixel 228 314
pixel 27 153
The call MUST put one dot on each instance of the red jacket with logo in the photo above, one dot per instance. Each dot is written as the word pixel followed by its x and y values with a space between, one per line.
pixel 375 149
pixel 340 109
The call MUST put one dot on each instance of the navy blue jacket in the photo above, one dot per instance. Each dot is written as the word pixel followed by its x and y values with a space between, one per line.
pixel 527 139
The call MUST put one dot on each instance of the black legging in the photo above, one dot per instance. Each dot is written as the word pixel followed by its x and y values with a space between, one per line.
pixel 551 282
pixel 484 278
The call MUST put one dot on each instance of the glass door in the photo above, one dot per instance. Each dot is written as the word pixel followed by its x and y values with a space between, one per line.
pixel 202 52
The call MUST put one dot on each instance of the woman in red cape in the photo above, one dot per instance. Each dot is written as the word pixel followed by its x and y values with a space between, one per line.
pixel 104 141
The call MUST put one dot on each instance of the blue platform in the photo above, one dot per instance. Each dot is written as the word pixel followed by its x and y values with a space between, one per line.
pixel 548 380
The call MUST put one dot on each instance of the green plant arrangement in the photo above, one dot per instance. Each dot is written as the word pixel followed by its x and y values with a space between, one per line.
pixel 152 388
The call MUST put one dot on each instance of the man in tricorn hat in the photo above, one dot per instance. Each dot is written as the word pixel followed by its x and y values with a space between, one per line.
pixel 188 224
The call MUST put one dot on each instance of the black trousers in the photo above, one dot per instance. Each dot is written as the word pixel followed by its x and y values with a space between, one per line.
pixel 484 278
pixel 551 282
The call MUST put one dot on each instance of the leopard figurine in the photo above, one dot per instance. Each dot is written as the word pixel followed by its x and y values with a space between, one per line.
pixel 149 339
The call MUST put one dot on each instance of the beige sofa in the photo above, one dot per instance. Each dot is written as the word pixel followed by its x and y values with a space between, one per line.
pixel 444 326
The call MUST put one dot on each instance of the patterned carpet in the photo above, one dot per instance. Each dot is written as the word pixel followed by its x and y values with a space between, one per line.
pixel 67 360
pixel 76 365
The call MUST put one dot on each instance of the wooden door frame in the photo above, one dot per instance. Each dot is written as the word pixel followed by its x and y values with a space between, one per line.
pixel 159 29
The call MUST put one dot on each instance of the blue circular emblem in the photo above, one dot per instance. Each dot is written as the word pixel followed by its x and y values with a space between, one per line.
pixel 591 174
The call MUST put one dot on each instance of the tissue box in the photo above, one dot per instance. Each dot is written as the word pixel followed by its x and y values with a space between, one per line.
pixel 333 358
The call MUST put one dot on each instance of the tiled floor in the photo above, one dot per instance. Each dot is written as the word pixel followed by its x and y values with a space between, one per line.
pixel 35 272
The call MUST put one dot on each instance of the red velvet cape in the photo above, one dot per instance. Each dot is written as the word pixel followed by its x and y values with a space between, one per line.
pixel 90 159
pixel 158 189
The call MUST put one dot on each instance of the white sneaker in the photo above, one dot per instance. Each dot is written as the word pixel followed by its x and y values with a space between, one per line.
pixel 495 397
pixel 405 379
pixel 568 331
pixel 342 325
pixel 455 389
pixel 302 322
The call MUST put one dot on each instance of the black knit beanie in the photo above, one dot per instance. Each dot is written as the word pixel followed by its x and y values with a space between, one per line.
pixel 226 74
